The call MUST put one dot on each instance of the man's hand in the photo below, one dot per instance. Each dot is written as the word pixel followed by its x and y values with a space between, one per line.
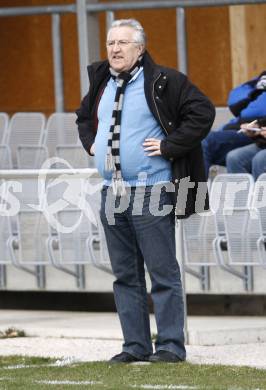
pixel 250 133
pixel 152 144
pixel 92 149
pixel 263 131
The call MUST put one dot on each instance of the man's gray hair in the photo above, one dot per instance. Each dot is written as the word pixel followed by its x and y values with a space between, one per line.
pixel 140 35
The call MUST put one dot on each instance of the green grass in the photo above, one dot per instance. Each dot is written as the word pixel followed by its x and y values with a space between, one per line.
pixel 126 377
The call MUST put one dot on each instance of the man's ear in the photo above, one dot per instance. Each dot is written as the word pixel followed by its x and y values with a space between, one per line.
pixel 141 49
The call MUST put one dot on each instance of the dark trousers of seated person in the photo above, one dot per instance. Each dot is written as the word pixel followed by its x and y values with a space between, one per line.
pixel 248 159
pixel 218 143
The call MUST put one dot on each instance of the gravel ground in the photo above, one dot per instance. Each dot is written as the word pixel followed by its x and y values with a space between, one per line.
pixel 77 349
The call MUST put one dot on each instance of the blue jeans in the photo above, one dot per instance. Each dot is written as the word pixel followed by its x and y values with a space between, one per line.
pixel 248 159
pixel 218 143
pixel 138 238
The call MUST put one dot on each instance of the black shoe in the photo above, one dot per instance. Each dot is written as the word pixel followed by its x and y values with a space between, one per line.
pixel 125 357
pixel 164 356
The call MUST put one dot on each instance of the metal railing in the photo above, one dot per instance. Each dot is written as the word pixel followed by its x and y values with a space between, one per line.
pixel 118 6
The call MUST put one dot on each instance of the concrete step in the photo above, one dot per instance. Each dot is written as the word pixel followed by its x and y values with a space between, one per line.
pixel 201 330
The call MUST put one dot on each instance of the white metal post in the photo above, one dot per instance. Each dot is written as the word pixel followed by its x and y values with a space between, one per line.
pixel 83 45
pixel 58 64
pixel 181 39
pixel 181 260
pixel 110 17
pixel 88 41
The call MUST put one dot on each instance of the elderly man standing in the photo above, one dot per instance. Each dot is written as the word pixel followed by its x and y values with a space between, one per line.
pixel 144 124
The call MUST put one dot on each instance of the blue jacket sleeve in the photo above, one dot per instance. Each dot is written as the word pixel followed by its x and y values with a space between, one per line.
pixel 256 108
pixel 239 97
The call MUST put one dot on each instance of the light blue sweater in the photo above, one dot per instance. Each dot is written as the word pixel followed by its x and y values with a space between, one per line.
pixel 137 123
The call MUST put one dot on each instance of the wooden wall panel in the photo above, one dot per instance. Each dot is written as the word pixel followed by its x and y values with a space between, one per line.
pixel 256 38
pixel 209 51
pixel 248 37
pixel 26 69
pixel 238 40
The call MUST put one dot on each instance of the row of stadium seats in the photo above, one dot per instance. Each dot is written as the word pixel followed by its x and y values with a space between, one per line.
pixel 27 140
pixel 233 235
pixel 38 213
pixel 53 220
pixel 47 219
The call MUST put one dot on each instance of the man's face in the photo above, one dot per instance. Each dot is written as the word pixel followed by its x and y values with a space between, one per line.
pixel 122 56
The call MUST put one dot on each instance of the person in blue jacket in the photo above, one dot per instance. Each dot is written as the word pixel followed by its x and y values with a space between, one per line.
pixel 247 102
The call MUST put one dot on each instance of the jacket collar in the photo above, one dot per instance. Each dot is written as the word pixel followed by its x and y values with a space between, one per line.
pixel 151 70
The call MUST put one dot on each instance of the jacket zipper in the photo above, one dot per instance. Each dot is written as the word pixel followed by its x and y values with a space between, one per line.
pixel 153 93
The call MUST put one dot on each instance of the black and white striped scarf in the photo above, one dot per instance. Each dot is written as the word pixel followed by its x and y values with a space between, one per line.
pixel 112 163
